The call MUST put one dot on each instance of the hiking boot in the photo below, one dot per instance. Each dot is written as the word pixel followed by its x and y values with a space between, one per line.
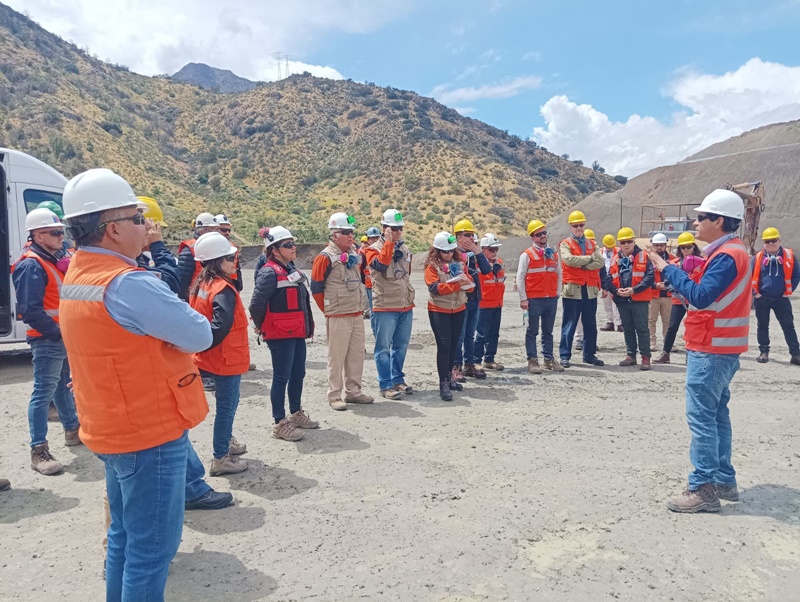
pixel 579 345
pixel 42 460
pixel 209 384
pixel 662 359
pixel 211 500
pixel 609 327
pixel 444 391
pixel 5 484
pixel 620 328
pixel 729 493
pixel 795 361
pixel 457 375
pixel 593 361
pixel 702 499
pixel 251 367
pixel 52 413
pixel 360 398
pixel 235 448
pixel 227 464
pixel 493 366
pixel 454 385
pixel 553 365
pixel 338 404
pixel 645 364
pixel 391 394
pixel 72 438
pixel 403 388
pixel 474 371
pixel 287 431
pixel 533 366
pixel 302 420
pixel 763 358
pixel 564 363
pixel 628 361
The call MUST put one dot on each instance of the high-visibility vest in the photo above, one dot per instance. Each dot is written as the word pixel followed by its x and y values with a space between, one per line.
pixel 493 287
pixel 541 279
pixel 580 276
pixel 639 269
pixel 285 318
pixel 656 293
pixel 52 292
pixel 232 355
pixel 451 302
pixel 132 392
pixel 788 266
pixel 724 326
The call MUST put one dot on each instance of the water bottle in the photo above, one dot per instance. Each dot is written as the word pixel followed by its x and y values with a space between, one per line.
pixel 525 317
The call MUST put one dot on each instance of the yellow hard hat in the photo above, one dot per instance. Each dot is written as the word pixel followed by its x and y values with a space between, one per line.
pixel 609 241
pixel 770 234
pixel 626 234
pixel 685 238
pixel 534 225
pixel 153 211
pixel 364 238
pixel 589 233
pixel 464 225
pixel 576 217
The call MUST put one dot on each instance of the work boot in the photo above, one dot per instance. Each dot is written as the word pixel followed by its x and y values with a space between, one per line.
pixel 795 361
pixel 609 327
pixel 52 413
pixel 474 371
pixel 493 366
pixel 302 420
pixel 702 499
pixel 662 359
pixel 42 460
pixel 645 363
pixel 337 404
pixel 403 388
pixel 593 361
pixel 628 361
pixel 72 438
pixel 391 394
pixel 209 384
pixel 579 345
pixel 620 328
pixel 287 431
pixel 453 384
pixel 444 390
pixel 729 493
pixel 235 448
pixel 457 375
pixel 553 365
pixel 360 398
pixel 565 363
pixel 210 500
pixel 5 484
pixel 763 358
pixel 227 464
pixel 533 366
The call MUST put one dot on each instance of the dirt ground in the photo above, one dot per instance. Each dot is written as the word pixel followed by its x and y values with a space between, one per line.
pixel 524 487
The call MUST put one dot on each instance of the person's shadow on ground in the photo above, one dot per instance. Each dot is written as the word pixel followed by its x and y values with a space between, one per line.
pixel 777 501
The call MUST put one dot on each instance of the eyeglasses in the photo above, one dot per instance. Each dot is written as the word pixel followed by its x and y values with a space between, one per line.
pixel 686 247
pixel 625 242
pixel 231 257
pixel 701 217
pixel 138 220
pixel 55 233
pixel 347 232
pixel 774 241
pixel 225 230
pixel 540 234
pixel 492 249
pixel 396 228
pixel 577 225
pixel 443 251
pixel 287 245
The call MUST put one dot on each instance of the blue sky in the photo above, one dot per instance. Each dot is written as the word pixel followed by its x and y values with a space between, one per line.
pixel 631 84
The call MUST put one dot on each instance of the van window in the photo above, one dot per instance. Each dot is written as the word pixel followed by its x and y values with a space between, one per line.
pixel 33 197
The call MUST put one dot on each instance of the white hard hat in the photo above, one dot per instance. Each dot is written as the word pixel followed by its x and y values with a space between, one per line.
pixel 341 221
pixel 392 217
pixel 205 219
pixel 97 190
pixel 723 202
pixel 42 218
pixel 276 235
pixel 490 240
pixel 659 238
pixel 222 219
pixel 212 245
pixel 444 241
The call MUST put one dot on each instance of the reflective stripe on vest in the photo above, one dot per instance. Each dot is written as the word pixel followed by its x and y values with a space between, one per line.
pixel 52 291
pixel 637 275
pixel 541 279
pixel 579 276
pixel 788 267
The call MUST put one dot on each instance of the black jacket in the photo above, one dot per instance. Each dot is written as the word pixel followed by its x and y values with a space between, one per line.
pixel 267 288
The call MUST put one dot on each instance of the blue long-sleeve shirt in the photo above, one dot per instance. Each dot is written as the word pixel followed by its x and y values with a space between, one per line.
pixel 771 282
pixel 30 282
pixel 476 263
pixel 163 264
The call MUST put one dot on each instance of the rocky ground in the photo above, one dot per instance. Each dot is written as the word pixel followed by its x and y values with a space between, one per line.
pixel 524 487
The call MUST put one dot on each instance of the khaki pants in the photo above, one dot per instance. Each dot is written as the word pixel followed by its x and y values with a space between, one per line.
pixel 346 344
pixel 659 306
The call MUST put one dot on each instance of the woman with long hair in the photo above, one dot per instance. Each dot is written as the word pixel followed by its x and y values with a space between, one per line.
pixel 448 283
pixel 214 294
pixel 690 259
pixel 281 310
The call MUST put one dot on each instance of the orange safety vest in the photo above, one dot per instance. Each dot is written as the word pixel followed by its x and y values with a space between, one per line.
pixel 580 276
pixel 541 279
pixel 493 287
pixel 132 392
pixel 189 244
pixel 639 269
pixel 52 292
pixel 788 266
pixel 657 292
pixel 724 326
pixel 232 355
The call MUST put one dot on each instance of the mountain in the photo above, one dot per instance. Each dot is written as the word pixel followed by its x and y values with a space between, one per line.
pixel 289 152
pixel 210 78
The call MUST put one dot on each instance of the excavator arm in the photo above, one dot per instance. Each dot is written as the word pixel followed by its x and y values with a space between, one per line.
pixel 752 194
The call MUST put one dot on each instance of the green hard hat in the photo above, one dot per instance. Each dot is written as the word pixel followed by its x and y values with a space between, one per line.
pixel 52 206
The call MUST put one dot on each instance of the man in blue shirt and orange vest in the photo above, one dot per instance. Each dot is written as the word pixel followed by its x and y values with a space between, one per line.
pixel 775 277
pixel 717 333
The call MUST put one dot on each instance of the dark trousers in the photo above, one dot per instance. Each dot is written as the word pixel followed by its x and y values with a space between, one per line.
pixel 634 325
pixel 783 312
pixel 542 309
pixel 288 369
pixel 583 309
pixel 488 333
pixel 676 316
pixel 446 330
pixel 466 340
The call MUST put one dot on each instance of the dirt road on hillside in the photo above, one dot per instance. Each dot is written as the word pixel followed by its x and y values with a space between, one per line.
pixel 524 488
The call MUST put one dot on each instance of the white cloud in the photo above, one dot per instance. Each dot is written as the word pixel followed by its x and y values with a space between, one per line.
pixel 715 107
pixel 465 110
pixel 161 37
pixel 532 56
pixel 507 89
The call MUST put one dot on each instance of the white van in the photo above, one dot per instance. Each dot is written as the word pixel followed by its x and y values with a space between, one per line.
pixel 24 183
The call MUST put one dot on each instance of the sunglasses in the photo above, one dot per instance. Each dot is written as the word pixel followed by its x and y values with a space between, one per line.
pixel 625 242
pixel 492 249
pixel 347 232
pixel 231 257
pixel 577 225
pixel 396 228
pixel 686 247
pixel 287 245
pixel 55 233
pixel 450 251
pixel 541 234
pixel 701 217
pixel 774 241
pixel 138 220
pixel 225 230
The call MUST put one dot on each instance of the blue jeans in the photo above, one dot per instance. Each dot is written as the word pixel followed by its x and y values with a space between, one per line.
pixel 146 495
pixel 543 309
pixel 488 333
pixel 196 486
pixel 708 377
pixel 227 396
pixel 583 309
pixel 50 378
pixel 392 335
pixel 288 369
pixel 466 342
